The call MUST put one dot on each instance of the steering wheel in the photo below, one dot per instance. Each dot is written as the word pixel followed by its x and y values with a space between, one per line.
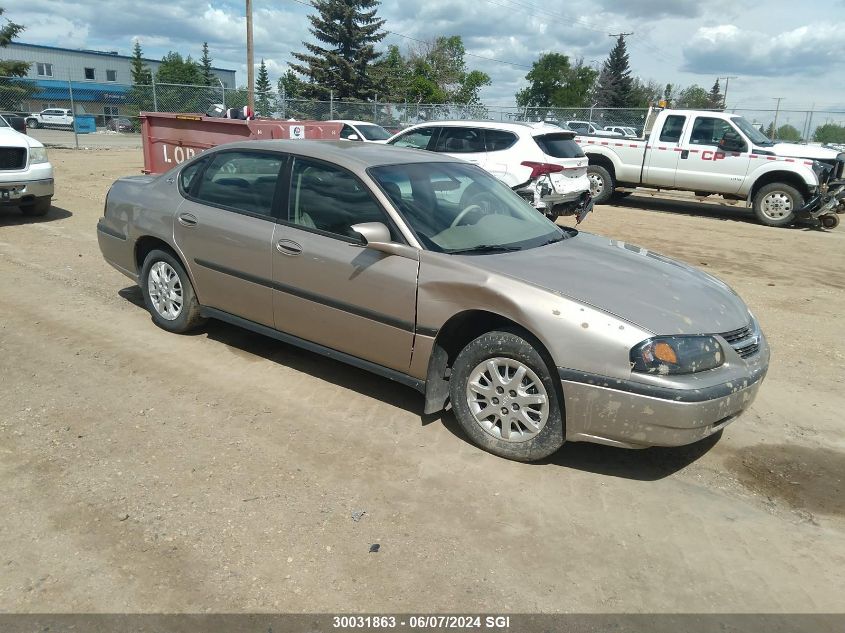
pixel 465 212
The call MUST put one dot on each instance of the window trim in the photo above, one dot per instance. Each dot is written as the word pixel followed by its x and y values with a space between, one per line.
pixel 115 75
pixel 288 185
pixel 45 66
pixel 93 73
pixel 209 156
pixel 660 138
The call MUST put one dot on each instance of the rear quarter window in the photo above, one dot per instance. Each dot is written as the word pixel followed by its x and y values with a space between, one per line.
pixel 559 146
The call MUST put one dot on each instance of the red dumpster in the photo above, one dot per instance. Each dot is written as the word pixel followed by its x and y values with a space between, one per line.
pixel 169 139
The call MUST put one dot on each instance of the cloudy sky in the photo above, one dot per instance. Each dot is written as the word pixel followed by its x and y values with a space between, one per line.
pixel 775 48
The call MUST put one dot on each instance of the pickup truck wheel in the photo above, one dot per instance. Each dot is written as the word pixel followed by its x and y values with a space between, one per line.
pixel 601 183
pixel 32 124
pixel 38 208
pixel 775 204
pixel 505 399
pixel 168 293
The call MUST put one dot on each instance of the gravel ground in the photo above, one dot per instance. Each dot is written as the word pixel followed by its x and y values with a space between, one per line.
pixel 146 472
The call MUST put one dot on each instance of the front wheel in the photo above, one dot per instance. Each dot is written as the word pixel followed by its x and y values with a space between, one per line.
pixel 505 399
pixel 601 183
pixel 775 204
pixel 168 293
pixel 37 208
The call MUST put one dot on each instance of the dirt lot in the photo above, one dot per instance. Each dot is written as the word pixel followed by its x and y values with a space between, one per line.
pixel 143 471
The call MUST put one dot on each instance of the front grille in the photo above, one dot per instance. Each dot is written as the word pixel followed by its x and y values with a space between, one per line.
pixel 744 341
pixel 12 157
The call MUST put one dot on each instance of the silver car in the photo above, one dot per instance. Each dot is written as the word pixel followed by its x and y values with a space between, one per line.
pixel 433 273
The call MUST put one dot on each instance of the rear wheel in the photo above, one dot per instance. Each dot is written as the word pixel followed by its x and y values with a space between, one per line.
pixel 39 207
pixel 32 123
pixel 601 183
pixel 775 204
pixel 168 293
pixel 505 399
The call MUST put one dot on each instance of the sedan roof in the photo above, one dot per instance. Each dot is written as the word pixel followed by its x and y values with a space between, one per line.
pixel 351 155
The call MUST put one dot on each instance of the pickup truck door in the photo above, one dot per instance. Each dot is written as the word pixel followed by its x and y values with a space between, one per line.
pixel 703 166
pixel 663 152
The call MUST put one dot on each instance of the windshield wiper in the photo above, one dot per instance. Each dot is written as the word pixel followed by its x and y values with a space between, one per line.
pixel 486 248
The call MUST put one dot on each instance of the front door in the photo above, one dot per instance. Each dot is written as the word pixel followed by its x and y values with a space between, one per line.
pixel 705 167
pixel 328 288
pixel 662 155
pixel 224 227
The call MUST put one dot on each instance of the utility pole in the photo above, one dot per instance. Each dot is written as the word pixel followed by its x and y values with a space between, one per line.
pixel 777 110
pixel 250 58
pixel 725 94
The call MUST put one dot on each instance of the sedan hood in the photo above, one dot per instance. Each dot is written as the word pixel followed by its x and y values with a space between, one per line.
pixel 649 290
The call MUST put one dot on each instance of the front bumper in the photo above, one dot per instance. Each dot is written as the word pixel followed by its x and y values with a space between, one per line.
pixel 631 415
pixel 17 192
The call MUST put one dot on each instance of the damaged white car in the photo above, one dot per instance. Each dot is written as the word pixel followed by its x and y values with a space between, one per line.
pixel 540 161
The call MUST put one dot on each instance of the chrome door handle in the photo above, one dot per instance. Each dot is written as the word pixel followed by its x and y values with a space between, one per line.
pixel 187 219
pixel 288 247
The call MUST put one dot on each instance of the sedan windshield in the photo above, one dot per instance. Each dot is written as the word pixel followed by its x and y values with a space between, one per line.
pixel 756 136
pixel 374 132
pixel 460 208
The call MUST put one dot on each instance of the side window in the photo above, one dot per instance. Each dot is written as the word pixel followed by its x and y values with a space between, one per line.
pixel 188 174
pixel 497 140
pixel 708 131
pixel 89 74
pixel 460 140
pixel 418 139
pixel 347 131
pixel 673 127
pixel 331 199
pixel 241 180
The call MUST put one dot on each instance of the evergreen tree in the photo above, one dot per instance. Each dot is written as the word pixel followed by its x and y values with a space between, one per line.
pixel 208 76
pixel 141 75
pixel 349 29
pixel 8 32
pixel 180 78
pixel 716 98
pixel 291 89
pixel 262 90
pixel 615 86
pixel 141 94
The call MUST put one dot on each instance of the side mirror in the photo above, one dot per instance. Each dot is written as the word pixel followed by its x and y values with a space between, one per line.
pixel 732 142
pixel 376 236
pixel 352 137
pixel 17 123
pixel 372 233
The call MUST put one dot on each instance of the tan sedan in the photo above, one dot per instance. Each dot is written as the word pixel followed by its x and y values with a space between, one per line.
pixel 431 272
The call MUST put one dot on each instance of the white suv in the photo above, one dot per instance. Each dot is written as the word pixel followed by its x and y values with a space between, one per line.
pixel 541 162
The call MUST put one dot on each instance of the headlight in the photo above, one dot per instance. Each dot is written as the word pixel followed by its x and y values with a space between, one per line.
pixel 37 155
pixel 677 355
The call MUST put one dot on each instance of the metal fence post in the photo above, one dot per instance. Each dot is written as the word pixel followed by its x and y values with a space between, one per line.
pixel 375 110
pixel 155 101
pixel 284 102
pixel 331 104
pixel 73 112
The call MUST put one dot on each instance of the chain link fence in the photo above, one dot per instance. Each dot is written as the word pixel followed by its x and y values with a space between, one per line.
pixel 114 107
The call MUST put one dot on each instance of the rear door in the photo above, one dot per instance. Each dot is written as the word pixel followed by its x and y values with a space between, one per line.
pixel 663 152
pixel 224 228
pixel 499 145
pixel 330 290
pixel 466 143
pixel 703 166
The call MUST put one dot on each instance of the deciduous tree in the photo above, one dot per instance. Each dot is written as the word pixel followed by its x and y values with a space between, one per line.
pixel 554 82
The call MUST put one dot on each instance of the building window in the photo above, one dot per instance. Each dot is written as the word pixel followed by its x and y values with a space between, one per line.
pixel 89 74
pixel 44 70
pixel 111 75
pixel 111 111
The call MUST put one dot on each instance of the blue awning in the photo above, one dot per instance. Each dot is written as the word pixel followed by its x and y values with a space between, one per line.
pixel 82 91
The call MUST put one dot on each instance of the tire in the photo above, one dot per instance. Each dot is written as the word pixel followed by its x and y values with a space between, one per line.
pixel 33 124
pixel 161 270
pixel 829 221
pixel 475 389
pixel 40 207
pixel 602 184
pixel 775 204
pixel 620 195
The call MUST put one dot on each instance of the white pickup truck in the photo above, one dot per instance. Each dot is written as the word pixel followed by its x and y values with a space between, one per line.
pixel 26 176
pixel 51 117
pixel 720 153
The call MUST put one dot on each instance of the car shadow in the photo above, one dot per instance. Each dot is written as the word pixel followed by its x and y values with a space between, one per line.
pixel 254 347
pixel 650 464
pixel 12 216
pixel 673 206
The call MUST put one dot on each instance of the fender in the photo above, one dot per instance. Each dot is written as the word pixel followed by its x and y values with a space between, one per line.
pixel 793 166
